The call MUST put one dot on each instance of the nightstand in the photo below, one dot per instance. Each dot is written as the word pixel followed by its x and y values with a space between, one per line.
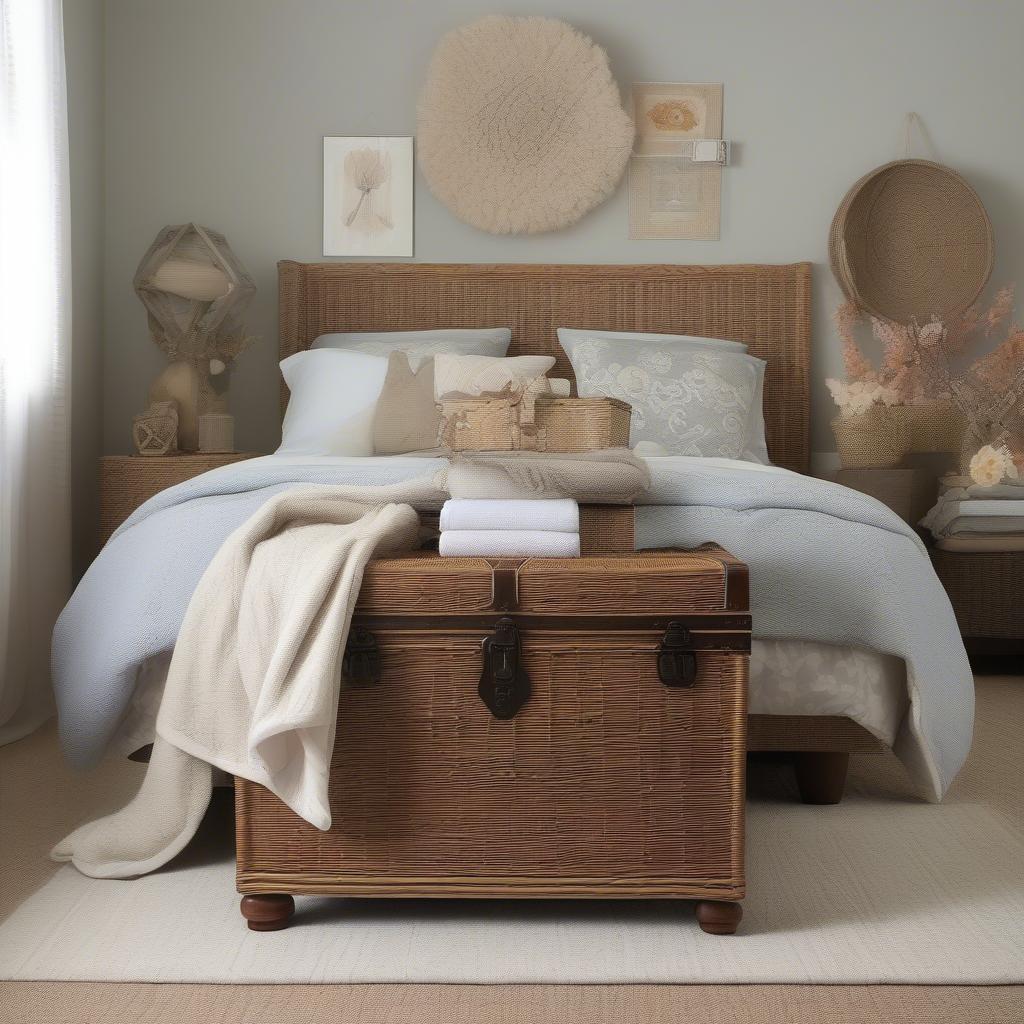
pixel 126 481
pixel 987 594
pixel 910 493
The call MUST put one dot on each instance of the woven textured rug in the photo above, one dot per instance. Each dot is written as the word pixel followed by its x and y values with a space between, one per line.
pixel 881 888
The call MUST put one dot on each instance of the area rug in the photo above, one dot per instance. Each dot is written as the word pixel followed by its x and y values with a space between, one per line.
pixel 882 888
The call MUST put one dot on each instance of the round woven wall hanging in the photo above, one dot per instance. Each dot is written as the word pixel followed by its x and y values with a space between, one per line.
pixel 911 240
pixel 521 128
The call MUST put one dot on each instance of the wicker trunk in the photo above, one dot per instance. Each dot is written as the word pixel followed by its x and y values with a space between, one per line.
pixel 538 728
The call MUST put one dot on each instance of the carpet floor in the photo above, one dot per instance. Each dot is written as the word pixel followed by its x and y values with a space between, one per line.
pixel 882 888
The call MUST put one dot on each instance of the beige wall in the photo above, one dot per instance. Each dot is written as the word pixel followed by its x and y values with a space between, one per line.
pixel 215 111
pixel 83 45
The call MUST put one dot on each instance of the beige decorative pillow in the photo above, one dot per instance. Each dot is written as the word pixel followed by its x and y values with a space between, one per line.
pixel 407 419
pixel 474 376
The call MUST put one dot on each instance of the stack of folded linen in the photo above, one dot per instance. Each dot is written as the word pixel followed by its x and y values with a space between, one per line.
pixel 969 517
pixel 513 528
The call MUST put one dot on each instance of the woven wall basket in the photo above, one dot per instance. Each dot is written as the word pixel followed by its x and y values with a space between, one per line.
pixel 910 240
pixel 520 127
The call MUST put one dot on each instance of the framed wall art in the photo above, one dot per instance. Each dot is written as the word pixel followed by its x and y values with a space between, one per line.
pixel 670 196
pixel 368 207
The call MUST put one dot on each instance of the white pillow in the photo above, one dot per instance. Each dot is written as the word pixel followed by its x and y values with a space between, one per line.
pixel 755 447
pixel 572 334
pixel 484 375
pixel 333 398
pixel 483 341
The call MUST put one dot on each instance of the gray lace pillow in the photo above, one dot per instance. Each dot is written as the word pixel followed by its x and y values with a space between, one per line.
pixel 689 399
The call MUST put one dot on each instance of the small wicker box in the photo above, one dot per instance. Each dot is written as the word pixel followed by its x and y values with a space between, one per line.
pixel 560 425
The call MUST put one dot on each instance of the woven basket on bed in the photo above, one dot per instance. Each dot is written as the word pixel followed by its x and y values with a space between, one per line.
pixel 874 440
pixel 559 425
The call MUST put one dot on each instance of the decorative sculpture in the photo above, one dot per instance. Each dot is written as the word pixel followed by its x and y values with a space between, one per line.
pixel 521 128
pixel 194 289
pixel 155 431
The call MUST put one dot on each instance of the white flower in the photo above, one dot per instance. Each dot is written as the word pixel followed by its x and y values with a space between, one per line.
pixel 991 465
pixel 931 334
pixel 217 366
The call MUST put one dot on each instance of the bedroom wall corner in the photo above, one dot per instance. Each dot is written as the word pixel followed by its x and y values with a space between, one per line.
pixel 84 56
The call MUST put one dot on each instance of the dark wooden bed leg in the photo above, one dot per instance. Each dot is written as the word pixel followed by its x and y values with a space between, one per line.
pixel 821 776
pixel 718 917
pixel 267 912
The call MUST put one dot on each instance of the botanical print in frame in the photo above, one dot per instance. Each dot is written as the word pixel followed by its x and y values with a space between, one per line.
pixel 670 196
pixel 368 184
pixel 668 113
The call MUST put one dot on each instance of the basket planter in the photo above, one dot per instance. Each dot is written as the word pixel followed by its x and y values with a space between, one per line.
pixel 932 426
pixel 559 425
pixel 874 440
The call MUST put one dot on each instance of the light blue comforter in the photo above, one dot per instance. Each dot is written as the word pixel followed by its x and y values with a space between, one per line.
pixel 826 563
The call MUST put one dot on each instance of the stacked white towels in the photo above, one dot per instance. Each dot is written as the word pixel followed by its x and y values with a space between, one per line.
pixel 514 528
pixel 969 517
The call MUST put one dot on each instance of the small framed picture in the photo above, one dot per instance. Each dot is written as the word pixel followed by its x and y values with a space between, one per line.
pixel 368 186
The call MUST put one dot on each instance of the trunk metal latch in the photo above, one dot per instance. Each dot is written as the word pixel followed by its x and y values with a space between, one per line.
pixel 677 662
pixel 360 664
pixel 504 684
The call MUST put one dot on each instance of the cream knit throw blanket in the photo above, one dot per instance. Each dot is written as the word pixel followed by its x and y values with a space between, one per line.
pixel 253 684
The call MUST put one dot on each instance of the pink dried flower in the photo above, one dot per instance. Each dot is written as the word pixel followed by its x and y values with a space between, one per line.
pixel 1000 310
pixel 856 363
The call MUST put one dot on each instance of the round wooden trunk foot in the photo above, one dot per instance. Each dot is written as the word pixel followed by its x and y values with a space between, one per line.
pixel 716 917
pixel 267 912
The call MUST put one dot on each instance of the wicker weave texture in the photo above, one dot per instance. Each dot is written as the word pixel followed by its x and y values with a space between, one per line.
pixel 767 307
pixel 126 481
pixel 607 529
pixel 874 440
pixel 559 425
pixel 985 590
pixel 647 583
pixel 606 783
pixel 911 239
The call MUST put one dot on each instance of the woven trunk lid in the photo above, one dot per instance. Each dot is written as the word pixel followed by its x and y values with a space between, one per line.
pixel 648 583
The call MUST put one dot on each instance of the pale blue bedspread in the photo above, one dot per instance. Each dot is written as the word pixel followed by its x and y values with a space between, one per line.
pixel 826 563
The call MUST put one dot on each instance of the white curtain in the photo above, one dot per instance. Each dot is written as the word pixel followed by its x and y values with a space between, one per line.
pixel 35 294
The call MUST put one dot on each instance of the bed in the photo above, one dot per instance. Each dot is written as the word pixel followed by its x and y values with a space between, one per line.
pixel 855 643
pixel 768 307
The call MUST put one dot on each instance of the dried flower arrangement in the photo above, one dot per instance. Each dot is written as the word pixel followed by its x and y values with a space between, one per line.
pixel 921 367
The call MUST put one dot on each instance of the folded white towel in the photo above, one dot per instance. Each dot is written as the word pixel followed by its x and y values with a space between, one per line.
pixel 510 543
pixel 552 515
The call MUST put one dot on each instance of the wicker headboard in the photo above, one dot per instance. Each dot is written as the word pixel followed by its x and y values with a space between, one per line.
pixel 768 307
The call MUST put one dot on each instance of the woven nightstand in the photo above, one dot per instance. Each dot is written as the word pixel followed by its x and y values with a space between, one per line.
pixel 986 589
pixel 908 492
pixel 126 481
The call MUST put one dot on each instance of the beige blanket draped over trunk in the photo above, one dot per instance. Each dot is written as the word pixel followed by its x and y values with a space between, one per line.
pixel 253 684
